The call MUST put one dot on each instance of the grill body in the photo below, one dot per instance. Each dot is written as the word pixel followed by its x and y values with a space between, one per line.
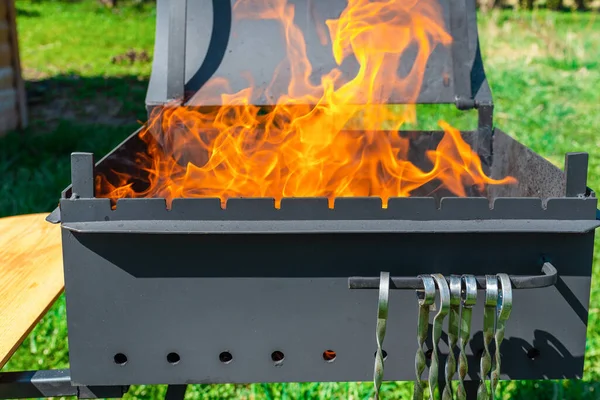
pixel 250 293
pixel 198 295
pixel 197 280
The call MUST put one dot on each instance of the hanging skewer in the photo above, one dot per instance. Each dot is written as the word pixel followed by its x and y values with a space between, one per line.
pixel 382 315
pixel 438 322
pixel 489 319
pixel 468 300
pixel 454 283
pixel 503 313
pixel 426 299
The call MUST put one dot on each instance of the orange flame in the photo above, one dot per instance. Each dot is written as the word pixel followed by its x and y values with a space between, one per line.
pixel 305 145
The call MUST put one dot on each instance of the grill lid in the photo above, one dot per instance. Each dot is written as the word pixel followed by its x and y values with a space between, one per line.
pixel 200 40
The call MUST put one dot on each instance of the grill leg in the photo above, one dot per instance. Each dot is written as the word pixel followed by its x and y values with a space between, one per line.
pixel 471 389
pixel 175 392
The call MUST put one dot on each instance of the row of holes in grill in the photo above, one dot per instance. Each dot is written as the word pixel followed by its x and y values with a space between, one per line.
pixel 226 357
pixel 277 356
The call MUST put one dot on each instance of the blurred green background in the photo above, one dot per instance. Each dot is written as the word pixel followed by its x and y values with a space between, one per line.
pixel 87 66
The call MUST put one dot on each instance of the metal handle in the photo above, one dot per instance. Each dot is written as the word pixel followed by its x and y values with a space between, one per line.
pixel 547 279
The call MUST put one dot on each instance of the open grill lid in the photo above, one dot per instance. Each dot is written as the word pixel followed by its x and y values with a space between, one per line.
pixel 200 40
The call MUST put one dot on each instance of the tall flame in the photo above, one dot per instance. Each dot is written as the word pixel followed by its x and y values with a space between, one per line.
pixel 306 145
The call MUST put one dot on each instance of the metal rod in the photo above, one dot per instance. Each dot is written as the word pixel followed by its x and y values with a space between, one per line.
pixel 549 277
pixel 176 392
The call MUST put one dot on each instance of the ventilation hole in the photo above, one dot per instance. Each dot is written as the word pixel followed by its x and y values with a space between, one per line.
pixel 384 353
pixel 120 359
pixel 428 354
pixel 329 355
pixel 173 358
pixel 277 357
pixel 225 357
pixel 533 353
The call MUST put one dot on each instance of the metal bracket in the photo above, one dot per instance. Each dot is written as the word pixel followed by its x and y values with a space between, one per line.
pixel 549 278
pixel 52 383
pixel 57 383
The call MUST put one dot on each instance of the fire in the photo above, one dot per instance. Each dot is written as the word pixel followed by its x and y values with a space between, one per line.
pixel 334 139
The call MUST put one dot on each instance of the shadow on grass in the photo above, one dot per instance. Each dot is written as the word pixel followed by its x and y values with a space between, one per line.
pixel 67 113
pixel 21 12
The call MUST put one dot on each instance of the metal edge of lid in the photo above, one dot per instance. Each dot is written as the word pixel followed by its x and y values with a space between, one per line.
pixel 332 227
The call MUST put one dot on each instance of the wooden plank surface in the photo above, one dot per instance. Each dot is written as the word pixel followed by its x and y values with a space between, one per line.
pixel 31 276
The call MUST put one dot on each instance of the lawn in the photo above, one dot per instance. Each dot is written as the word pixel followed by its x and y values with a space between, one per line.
pixel 544 69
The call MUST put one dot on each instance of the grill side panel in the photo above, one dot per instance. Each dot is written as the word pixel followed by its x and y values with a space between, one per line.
pixel 147 295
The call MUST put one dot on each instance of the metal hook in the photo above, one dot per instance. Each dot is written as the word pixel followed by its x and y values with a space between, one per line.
pixel 382 315
pixel 503 310
pixel 489 319
pixel 438 322
pixel 426 298
pixel 468 300
pixel 454 283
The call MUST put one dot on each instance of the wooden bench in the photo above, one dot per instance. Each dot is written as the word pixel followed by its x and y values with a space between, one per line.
pixel 31 276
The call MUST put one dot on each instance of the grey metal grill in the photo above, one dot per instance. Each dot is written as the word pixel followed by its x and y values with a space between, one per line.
pixel 144 281
pixel 197 293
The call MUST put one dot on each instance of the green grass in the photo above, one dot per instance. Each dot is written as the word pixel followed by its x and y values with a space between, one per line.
pixel 543 69
pixel 82 38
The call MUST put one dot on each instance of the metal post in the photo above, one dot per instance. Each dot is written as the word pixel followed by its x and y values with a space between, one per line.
pixel 461 63
pixel 82 175
pixel 471 389
pixel 176 49
pixel 176 392
pixel 576 169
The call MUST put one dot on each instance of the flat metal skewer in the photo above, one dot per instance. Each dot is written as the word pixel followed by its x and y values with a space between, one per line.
pixel 382 315
pixel 425 298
